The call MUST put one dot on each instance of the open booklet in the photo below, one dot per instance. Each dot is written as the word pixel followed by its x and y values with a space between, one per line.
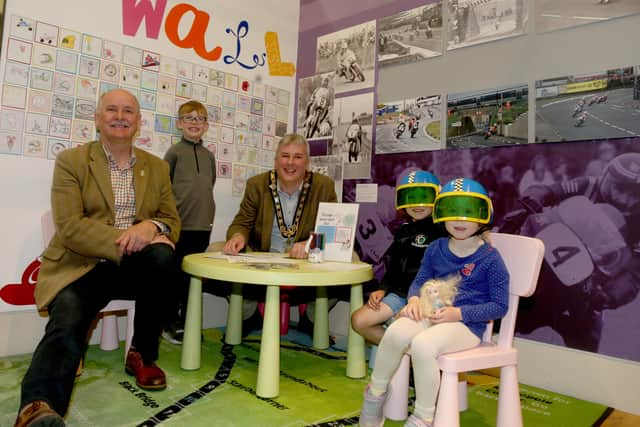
pixel 337 221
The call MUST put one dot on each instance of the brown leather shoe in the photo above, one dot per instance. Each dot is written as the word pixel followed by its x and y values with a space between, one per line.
pixel 148 375
pixel 38 414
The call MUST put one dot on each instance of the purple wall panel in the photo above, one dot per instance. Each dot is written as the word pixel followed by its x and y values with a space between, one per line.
pixel 587 295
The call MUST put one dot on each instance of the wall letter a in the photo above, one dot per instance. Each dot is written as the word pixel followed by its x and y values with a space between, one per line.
pixel 132 17
pixel 195 39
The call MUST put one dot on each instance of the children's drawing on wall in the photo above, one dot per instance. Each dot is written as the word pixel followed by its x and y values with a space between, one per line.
pixel 54 76
pixel 16 73
pixel 487 118
pixel 330 166
pixel 411 35
pixel 55 146
pixel 472 22
pixel 34 145
pixel 352 137
pixel 10 143
pixel 596 105
pixel 11 120
pixel 14 96
pixel 350 55
pixel 408 125
pixel 315 106
pixel 555 15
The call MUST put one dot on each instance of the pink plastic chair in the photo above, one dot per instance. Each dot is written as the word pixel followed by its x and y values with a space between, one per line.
pixel 523 258
pixel 109 337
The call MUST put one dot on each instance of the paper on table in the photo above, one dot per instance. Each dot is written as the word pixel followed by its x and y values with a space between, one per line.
pixel 253 259
pixel 336 266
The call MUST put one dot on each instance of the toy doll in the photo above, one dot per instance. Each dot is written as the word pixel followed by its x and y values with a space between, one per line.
pixel 438 293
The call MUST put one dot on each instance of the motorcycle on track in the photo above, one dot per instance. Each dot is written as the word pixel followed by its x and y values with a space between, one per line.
pixel 349 68
pixel 577 110
pixel 399 129
pixel 414 128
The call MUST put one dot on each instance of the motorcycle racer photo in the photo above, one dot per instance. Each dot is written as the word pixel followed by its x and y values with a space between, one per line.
pixel 319 102
pixel 315 106
pixel 347 63
pixel 351 58
pixel 592 256
pixel 400 127
pixel 354 139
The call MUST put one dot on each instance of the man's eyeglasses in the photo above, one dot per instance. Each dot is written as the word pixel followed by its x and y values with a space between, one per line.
pixel 193 119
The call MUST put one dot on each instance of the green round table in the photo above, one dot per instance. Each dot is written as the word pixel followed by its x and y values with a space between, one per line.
pixel 214 265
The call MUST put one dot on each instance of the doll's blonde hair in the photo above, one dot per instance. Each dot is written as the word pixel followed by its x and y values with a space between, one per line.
pixel 447 291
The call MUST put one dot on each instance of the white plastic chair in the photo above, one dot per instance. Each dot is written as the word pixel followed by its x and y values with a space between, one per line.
pixel 523 258
pixel 109 337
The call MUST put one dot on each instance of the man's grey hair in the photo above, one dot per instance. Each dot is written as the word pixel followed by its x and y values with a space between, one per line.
pixel 101 99
pixel 295 139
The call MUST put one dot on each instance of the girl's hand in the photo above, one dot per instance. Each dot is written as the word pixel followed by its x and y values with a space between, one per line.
pixel 413 309
pixel 446 314
pixel 374 300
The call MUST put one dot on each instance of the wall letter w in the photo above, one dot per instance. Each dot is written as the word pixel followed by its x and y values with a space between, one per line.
pixel 132 15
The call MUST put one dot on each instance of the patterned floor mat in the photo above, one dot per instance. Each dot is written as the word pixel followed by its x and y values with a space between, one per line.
pixel 314 391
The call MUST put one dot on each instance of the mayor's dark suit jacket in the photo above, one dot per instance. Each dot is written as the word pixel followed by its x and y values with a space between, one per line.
pixel 82 202
pixel 257 210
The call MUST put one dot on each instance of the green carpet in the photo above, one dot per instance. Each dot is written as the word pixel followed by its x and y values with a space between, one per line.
pixel 313 391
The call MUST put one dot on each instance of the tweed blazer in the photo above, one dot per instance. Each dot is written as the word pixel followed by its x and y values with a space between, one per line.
pixel 254 219
pixel 82 203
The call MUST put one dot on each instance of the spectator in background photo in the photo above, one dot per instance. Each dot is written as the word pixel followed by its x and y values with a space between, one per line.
pixel 506 192
pixel 606 152
pixel 537 174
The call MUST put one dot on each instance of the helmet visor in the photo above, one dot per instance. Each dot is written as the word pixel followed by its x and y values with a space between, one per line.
pixel 415 195
pixel 462 208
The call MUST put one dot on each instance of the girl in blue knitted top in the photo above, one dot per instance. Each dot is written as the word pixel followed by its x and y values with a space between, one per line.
pixel 483 295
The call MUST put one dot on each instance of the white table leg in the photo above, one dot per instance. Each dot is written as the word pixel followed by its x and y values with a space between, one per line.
pixel 233 334
pixel 321 319
pixel 192 345
pixel 269 365
pixel 356 365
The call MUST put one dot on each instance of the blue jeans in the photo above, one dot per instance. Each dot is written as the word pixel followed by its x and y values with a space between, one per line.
pixel 144 276
pixel 395 302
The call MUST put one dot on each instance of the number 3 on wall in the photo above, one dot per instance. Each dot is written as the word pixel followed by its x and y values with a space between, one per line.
pixel 374 238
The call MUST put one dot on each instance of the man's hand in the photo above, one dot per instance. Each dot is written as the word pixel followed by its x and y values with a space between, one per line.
pixel 446 314
pixel 234 245
pixel 299 250
pixel 137 237
pixel 413 309
pixel 374 299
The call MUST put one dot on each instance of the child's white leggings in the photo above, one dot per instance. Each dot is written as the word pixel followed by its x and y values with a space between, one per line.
pixel 426 343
